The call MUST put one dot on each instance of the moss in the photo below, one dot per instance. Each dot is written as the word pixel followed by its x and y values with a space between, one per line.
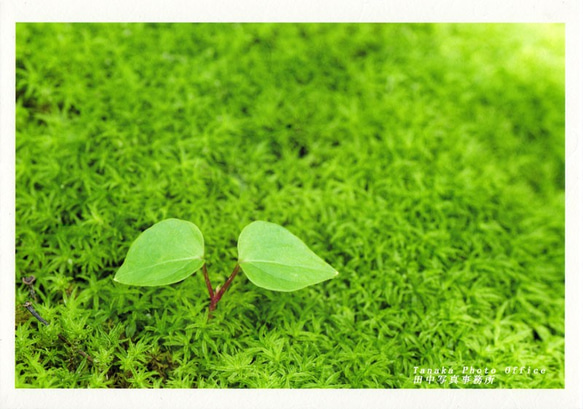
pixel 424 162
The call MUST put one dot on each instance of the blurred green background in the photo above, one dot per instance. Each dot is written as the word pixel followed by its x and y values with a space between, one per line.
pixel 425 162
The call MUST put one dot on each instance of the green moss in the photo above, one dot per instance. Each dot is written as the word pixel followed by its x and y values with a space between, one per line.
pixel 424 162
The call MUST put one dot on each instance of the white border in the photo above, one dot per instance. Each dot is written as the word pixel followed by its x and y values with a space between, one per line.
pixel 468 11
pixel 566 11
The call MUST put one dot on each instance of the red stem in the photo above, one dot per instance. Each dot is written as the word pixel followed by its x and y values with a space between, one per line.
pixel 217 296
pixel 207 281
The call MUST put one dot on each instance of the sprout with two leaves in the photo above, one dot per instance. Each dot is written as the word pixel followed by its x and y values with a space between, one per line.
pixel 269 255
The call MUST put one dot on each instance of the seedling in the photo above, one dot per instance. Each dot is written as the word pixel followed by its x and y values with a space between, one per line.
pixel 269 255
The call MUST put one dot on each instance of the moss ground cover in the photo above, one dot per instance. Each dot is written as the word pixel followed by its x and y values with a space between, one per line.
pixel 424 162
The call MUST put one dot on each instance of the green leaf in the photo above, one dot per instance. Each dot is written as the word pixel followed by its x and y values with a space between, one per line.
pixel 166 253
pixel 275 259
